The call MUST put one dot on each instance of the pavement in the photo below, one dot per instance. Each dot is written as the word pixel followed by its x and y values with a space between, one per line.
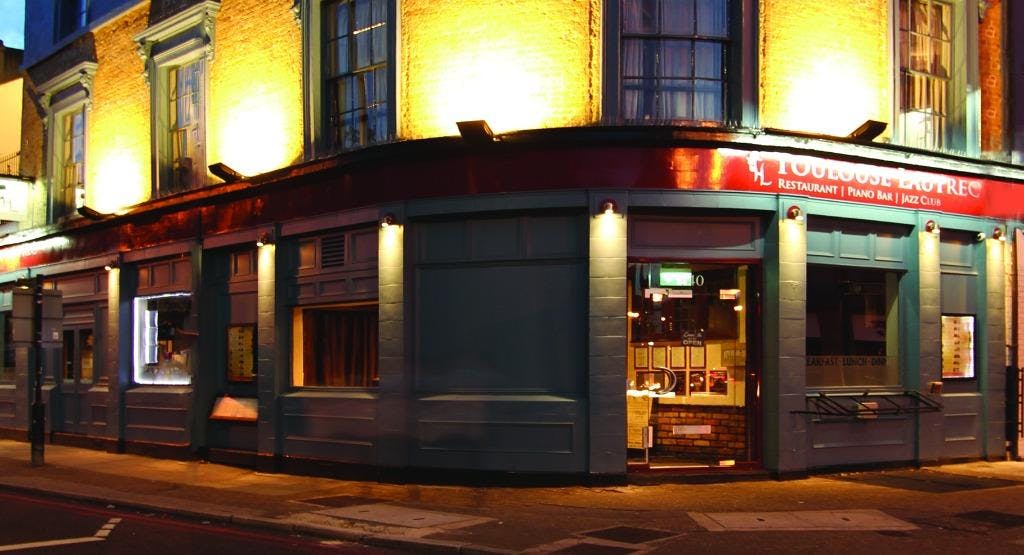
pixel 629 518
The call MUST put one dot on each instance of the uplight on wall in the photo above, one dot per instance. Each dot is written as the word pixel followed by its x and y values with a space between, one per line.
pixel 998 234
pixel 608 207
pixel 388 220
pixel 931 226
pixel 265 238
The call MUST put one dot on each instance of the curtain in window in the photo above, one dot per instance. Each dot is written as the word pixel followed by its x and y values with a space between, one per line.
pixel 339 347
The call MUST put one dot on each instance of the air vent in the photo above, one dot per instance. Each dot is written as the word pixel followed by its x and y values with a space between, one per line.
pixel 332 251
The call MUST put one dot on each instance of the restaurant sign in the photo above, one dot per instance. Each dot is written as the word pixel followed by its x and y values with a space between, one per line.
pixel 782 173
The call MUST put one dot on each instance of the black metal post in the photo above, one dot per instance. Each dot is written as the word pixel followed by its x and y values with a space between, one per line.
pixel 37 431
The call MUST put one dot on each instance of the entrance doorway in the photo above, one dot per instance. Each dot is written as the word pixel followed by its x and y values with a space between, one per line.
pixel 692 374
pixel 77 374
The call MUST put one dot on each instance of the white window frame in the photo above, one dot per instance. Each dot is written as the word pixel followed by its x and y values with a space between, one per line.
pixel 309 15
pixel 68 92
pixel 177 41
pixel 145 349
pixel 963 133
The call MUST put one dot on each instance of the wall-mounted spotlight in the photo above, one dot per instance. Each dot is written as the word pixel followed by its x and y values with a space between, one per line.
pixel 608 206
pixel 387 220
pixel 795 213
pixel 868 131
pixel 226 173
pixel 113 263
pixel 92 213
pixel 476 132
pixel 998 234
pixel 931 227
pixel 981 236
pixel 265 238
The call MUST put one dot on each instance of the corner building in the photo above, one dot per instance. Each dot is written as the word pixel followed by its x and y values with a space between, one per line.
pixel 581 238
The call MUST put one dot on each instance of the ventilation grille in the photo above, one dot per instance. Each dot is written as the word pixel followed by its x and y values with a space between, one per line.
pixel 332 251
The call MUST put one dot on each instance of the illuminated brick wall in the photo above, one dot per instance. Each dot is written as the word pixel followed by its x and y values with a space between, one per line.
pixel 519 65
pixel 117 153
pixel 825 67
pixel 990 64
pixel 254 114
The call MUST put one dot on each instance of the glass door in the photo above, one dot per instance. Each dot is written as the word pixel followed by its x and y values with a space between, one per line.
pixel 692 384
pixel 77 374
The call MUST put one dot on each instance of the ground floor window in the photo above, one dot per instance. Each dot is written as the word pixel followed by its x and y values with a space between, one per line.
pixel 335 346
pixel 165 336
pixel 852 326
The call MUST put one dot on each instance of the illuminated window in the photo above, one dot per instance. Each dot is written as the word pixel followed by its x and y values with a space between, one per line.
pixel 79 355
pixel 69 16
pixel 934 110
pixel 673 59
pixel 356 72
pixel 335 346
pixel 165 339
pixel 186 165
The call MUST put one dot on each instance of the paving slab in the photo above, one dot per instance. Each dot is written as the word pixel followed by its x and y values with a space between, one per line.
pixel 792 521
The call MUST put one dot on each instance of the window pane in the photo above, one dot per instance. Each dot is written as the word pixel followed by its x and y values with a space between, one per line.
pixel 708 101
pixel 712 20
pixel 852 326
pixel 166 336
pixel 6 347
pixel 708 60
pixel 339 347
pixel 677 17
pixel 676 99
pixel 86 354
pixel 68 349
pixel 632 58
pixel 675 58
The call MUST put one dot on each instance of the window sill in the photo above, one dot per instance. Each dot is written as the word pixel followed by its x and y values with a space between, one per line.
pixel 334 393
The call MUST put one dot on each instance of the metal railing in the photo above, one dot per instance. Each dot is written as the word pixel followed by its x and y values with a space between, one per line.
pixel 10 164
pixel 867 404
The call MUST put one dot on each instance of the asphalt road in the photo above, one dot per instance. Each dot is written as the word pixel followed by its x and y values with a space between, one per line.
pixel 38 525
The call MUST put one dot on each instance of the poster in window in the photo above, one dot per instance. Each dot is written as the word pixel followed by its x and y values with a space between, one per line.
pixel 698 356
pixel 957 347
pixel 718 381
pixel 241 352
pixel 640 357
pixel 659 357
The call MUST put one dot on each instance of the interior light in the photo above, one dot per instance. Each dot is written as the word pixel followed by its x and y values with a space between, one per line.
pixel 931 227
pixel 633 314
pixel 738 308
pixel 657 297
pixel 795 213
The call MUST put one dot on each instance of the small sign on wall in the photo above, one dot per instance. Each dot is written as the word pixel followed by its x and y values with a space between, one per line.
pixel 690 430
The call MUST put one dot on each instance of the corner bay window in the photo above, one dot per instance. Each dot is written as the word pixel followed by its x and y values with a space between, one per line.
pixel 673 57
pixel 165 339
pixel 335 346
pixel 852 326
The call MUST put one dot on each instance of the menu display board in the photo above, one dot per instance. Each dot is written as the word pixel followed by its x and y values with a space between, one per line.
pixel 241 352
pixel 957 347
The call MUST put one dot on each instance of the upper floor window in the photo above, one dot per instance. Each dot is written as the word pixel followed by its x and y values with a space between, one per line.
pixel 350 96
pixel 934 111
pixel 176 52
pixel 356 72
pixel 66 101
pixel 69 16
pixel 71 161
pixel 673 59
pixel 186 167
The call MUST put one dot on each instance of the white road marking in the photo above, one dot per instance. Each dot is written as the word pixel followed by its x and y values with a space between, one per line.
pixel 99 536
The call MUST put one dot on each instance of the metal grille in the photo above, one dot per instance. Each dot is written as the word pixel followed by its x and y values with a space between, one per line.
pixel 332 251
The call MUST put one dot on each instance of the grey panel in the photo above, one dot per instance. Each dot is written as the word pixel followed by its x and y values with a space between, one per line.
pixel 554 236
pixel 739 235
pixel 821 243
pixel 153 415
pixel 494 239
pixel 497 437
pixel 328 426
pixel 243 308
pixel 441 241
pixel 503 327
pixel 855 245
pixel 959 294
pixel 860 441
pixel 957 249
pixel 962 426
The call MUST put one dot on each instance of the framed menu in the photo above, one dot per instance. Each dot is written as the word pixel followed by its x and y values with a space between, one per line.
pixel 957 347
pixel 242 352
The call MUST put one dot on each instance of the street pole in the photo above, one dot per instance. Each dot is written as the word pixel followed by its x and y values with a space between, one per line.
pixel 37 431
